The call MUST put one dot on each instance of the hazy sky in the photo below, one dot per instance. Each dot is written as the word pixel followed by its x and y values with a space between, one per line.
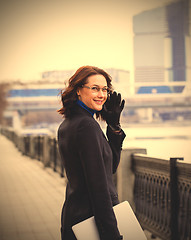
pixel 41 35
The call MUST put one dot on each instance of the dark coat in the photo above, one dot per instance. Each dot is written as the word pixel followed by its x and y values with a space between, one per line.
pixel 89 160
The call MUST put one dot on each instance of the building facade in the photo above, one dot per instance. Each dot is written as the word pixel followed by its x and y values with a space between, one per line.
pixel 162 48
pixel 120 78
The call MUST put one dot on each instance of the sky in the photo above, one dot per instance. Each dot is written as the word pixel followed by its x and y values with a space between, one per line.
pixel 47 35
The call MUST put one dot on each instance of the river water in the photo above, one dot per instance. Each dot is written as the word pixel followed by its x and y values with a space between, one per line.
pixel 161 141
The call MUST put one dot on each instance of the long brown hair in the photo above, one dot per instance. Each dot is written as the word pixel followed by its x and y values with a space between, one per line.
pixel 69 94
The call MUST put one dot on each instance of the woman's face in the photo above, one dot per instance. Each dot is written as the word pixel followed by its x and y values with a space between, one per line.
pixel 91 98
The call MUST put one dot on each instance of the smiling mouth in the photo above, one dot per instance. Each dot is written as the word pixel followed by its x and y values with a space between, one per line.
pixel 99 102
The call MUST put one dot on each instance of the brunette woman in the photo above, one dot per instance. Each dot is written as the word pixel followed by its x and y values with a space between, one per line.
pixel 89 157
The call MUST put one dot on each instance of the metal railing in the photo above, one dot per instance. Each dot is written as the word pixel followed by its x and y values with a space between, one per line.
pixel 41 147
pixel 161 189
pixel 162 196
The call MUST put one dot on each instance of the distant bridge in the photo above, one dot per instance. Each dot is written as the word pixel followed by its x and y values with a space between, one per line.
pixel 46 97
pixel 158 100
pixel 25 104
pixel 22 101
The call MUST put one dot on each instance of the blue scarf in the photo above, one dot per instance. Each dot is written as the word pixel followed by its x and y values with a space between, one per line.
pixel 81 104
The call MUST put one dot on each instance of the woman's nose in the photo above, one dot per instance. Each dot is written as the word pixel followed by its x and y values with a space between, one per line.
pixel 101 93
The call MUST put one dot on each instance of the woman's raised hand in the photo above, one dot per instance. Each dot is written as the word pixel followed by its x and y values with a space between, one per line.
pixel 112 110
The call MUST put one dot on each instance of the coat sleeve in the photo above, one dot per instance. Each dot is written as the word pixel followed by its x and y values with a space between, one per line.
pixel 115 142
pixel 90 149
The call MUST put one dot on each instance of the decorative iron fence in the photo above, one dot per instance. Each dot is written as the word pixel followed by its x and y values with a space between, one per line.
pixel 184 190
pixel 162 196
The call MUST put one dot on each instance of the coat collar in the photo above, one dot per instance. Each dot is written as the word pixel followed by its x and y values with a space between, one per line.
pixel 81 111
pixel 82 105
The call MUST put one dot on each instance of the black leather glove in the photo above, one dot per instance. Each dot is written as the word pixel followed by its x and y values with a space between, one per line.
pixel 112 110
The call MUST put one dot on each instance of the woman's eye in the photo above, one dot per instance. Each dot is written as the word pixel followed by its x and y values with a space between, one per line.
pixel 95 89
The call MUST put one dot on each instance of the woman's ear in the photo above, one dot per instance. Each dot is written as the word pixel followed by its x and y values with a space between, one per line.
pixel 78 92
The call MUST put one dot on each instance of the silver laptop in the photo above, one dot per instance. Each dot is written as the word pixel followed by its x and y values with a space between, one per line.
pixel 127 222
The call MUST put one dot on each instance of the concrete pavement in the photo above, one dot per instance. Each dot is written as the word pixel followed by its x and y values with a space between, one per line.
pixel 31 197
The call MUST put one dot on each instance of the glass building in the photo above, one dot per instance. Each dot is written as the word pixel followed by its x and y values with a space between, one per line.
pixel 161 45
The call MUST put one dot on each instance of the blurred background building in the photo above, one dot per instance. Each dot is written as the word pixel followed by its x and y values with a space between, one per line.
pixel 162 62
pixel 120 78
pixel 35 105
pixel 162 47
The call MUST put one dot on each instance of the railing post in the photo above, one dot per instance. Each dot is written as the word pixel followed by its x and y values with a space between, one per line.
pixel 174 199
pixel 45 153
pixel 38 147
pixel 55 153
pixel 126 175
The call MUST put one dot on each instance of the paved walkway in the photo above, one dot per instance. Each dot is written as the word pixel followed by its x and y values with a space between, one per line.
pixel 31 197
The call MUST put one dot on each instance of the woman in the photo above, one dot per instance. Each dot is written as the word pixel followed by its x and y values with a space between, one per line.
pixel 88 157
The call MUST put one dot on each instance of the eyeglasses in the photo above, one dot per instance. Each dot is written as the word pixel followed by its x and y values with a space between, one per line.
pixel 96 89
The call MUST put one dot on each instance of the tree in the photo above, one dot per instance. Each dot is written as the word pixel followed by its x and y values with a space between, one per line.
pixel 3 101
